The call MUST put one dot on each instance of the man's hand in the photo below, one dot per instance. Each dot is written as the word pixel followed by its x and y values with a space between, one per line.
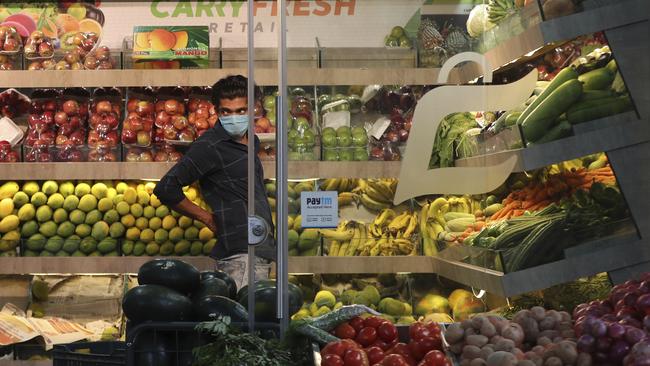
pixel 208 220
pixel 187 208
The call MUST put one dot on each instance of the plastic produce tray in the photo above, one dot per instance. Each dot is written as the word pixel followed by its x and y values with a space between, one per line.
pixel 90 354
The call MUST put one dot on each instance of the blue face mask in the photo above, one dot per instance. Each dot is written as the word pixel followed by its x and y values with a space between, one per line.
pixel 236 124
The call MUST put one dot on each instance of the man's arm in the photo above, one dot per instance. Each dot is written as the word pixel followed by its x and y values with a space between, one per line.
pixel 197 162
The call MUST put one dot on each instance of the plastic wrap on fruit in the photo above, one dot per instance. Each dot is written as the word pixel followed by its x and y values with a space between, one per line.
pixel 13 103
pixel 99 59
pixel 38 46
pixel 202 113
pixel 80 41
pixel 8 62
pixel 10 41
pixel 7 153
pixel 137 128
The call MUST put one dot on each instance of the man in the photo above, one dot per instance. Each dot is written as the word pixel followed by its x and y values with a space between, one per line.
pixel 218 160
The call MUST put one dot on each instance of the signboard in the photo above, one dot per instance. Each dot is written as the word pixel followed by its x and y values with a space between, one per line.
pixel 319 209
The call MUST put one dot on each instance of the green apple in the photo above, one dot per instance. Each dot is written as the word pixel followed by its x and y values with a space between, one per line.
pixel 345 140
pixel 397 32
pixel 271 118
pixel 300 142
pixel 329 140
pixel 392 42
pixel 360 154
pixel 309 138
pixel 330 155
pixel 328 131
pixel 291 136
pixel 290 123
pixel 358 130
pixel 301 124
pixel 324 99
pixel 269 102
pixel 405 42
pixel 346 155
pixel 359 139
pixel 343 131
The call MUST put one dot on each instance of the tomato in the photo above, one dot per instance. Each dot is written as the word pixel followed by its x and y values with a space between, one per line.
pixel 345 331
pixel 356 357
pixel 334 348
pixel 381 344
pixel 403 350
pixel 418 331
pixel 415 350
pixel 387 332
pixel 373 322
pixel 425 345
pixel 357 324
pixel 375 354
pixel 434 358
pixel 394 360
pixel 367 336
pixel 433 327
pixel 332 360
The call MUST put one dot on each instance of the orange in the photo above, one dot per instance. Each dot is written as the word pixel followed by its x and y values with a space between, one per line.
pixel 162 40
pixel 90 26
pixel 67 23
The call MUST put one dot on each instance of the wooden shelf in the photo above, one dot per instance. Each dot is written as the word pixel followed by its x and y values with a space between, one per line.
pixel 202 77
pixel 353 265
pixel 126 170
pixel 605 134
pixel 25 363
pixel 87 265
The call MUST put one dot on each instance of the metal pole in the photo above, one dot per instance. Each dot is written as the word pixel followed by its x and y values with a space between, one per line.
pixel 282 208
pixel 251 163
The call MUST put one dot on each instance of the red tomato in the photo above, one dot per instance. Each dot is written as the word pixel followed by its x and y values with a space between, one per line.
pixel 375 354
pixel 418 331
pixel 403 350
pixel 434 358
pixel 356 357
pixel 387 332
pixel 357 324
pixel 332 360
pixel 381 344
pixel 334 348
pixel 433 326
pixel 425 345
pixel 394 360
pixel 373 322
pixel 367 336
pixel 415 350
pixel 345 331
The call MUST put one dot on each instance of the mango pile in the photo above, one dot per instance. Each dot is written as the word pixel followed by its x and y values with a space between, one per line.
pixel 102 218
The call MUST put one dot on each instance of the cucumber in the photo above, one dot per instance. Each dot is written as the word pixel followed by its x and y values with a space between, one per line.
pixel 604 109
pixel 449 216
pixel 512 118
pixel 563 76
pixel 598 79
pixel 536 124
pixel 561 130
pixel 492 209
pixel 596 94
pixel 591 103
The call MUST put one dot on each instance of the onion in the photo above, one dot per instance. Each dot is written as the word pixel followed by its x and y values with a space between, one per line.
pixel 609 318
pixel 619 350
pixel 603 344
pixel 586 343
pixel 646 323
pixel 643 304
pixel 598 328
pixel 630 299
pixel 631 322
pixel 644 287
pixel 616 331
pixel 634 335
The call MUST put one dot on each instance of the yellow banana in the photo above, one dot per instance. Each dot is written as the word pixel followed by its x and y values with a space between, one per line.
pixel 399 222
pixel 412 225
pixel 335 247
pixel 331 184
pixel 437 209
pixel 423 219
pixel 373 192
pixel 338 234
pixel 384 216
pixel 354 242
pixel 383 189
pixel 372 204
pixel 346 198
pixel 344 248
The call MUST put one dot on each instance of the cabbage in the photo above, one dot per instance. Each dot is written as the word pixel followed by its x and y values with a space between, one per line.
pixel 478 21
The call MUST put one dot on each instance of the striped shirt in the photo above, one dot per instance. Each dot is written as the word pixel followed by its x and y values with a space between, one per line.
pixel 220 165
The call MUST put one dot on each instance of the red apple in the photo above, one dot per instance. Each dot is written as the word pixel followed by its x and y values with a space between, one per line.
pixel 136 124
pixel 202 113
pixel 202 124
pixel 187 135
pixel 160 106
pixel 111 120
pixel 161 156
pixel 132 156
pixel 146 156
pixel 175 156
pixel 131 104
pixel 71 107
pixel 12 157
pixel 77 137
pixel 172 106
pixel 129 136
pixel 61 118
pixel 162 119
pixel 170 133
pixel 144 108
pixel 180 122
pixel 143 138
pixel 50 105
pixel 74 122
pixel 103 106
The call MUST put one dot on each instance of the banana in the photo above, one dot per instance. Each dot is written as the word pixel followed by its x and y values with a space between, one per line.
pixel 412 225
pixel 437 209
pixel 362 184
pixel 373 192
pixel 338 234
pixel 384 216
pixel 383 188
pixel 354 242
pixel 335 247
pixel 330 184
pixel 343 185
pixel 423 219
pixel 372 204
pixel 346 198
pixel 399 222
pixel 344 248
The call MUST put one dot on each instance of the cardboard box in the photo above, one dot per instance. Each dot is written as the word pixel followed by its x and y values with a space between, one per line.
pixel 171 42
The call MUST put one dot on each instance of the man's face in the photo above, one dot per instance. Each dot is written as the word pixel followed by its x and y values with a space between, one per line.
pixel 228 107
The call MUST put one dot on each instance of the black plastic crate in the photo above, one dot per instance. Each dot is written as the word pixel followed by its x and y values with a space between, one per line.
pixel 171 344
pixel 27 350
pixel 90 354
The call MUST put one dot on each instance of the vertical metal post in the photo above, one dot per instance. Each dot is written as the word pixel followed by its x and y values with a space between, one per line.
pixel 282 208
pixel 251 162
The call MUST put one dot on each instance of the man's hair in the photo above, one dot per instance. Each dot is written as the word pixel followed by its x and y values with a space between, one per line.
pixel 231 87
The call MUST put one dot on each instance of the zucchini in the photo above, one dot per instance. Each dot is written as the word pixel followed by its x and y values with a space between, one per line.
pixel 449 216
pixel 534 249
pixel 605 108
pixel 599 79
pixel 561 130
pixel 536 124
pixel 332 319
pixel 492 209
pixel 595 95
pixel 512 118
pixel 568 73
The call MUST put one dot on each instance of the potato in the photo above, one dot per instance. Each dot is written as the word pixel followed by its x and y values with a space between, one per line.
pixel 486 352
pixel 456 348
pixel 506 345
pixel 564 326
pixel 471 352
pixel 466 324
pixel 514 332
pixel 488 330
pixel 568 334
pixel 543 341
pixel 566 317
pixel 521 314
pixel 531 329
pixel 553 361
pixel 538 313
pixel 567 352
pixel 454 333
pixel 465 362
pixel 539 350
pixel 550 334
pixel 498 322
pixel 478 362
pixel 501 358
pixel 548 323
pixel 496 339
pixel 469 332
pixel 555 315
pixel 477 322
pixel 477 340
pixel 525 363
pixel 584 359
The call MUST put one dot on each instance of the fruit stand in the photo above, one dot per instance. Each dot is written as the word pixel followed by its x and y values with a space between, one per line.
pixel 468 278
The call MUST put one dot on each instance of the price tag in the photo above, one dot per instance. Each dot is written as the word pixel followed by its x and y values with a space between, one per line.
pixel 336 119
pixel 379 127
pixel 319 209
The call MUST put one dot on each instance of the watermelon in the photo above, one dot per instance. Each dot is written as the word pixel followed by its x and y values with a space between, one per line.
pixel 232 286
pixel 172 273
pixel 156 303
pixel 266 300
pixel 211 286
pixel 153 350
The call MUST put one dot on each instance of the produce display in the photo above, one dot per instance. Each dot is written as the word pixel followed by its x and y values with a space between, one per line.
pixel 202 113
pixel 171 121
pixel 38 46
pixel 105 116
pixel 97 219
pixel 345 144
pixel 398 38
pixel 137 128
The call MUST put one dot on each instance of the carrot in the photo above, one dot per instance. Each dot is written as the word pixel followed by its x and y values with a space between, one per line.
pixel 601 170
pixel 479 225
pixel 528 204
pixel 540 205
pixel 518 212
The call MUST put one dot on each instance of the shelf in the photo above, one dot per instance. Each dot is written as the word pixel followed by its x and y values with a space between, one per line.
pixel 352 265
pixel 202 77
pixel 89 265
pixel 602 255
pixel 544 36
pixel 25 363
pixel 127 170
pixel 605 134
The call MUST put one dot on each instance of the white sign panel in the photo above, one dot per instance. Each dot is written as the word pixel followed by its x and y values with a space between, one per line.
pixel 319 209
